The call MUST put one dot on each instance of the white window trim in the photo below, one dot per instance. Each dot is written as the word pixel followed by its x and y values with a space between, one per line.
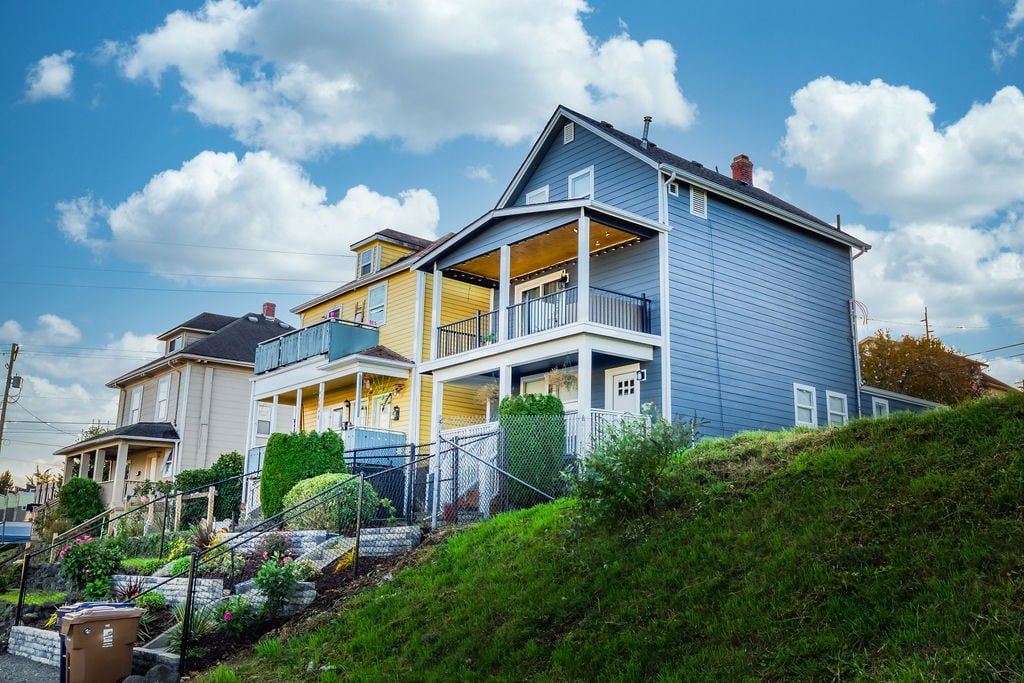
pixel 162 383
pixel 570 404
pixel 133 416
pixel 577 174
pixel 270 419
pixel 568 133
pixel 542 192
pixel 829 395
pixel 609 384
pixel 170 343
pixel 369 311
pixel 374 253
pixel 877 403
pixel 695 191
pixel 673 189
pixel 536 282
pixel 796 405
pixel 167 469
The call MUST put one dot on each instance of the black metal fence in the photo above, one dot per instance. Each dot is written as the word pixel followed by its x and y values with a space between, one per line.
pixel 468 334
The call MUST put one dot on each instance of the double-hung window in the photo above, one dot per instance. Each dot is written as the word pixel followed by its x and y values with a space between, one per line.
pixel 367 261
pixel 805 404
pixel 838 413
pixel 376 304
pixel 135 409
pixel 263 415
pixel 581 184
pixel 163 392
pixel 879 407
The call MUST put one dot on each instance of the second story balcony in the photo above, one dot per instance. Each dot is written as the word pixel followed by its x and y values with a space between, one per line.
pixel 331 338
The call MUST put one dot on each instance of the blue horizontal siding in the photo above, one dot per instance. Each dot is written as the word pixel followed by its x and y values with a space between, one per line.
pixel 620 179
pixel 895 405
pixel 632 270
pixel 756 307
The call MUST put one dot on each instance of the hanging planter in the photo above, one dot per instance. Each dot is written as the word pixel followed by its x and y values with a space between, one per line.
pixel 560 378
pixel 487 392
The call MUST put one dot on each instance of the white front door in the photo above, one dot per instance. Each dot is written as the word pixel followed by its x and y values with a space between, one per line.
pixel 622 390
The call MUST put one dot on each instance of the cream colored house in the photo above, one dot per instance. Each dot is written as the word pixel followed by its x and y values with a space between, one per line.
pixel 181 411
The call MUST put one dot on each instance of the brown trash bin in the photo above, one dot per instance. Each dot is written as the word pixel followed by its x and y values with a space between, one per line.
pixel 100 642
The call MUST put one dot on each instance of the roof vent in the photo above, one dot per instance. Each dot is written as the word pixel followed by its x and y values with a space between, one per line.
pixel 285 325
pixel 252 318
pixel 647 128
pixel 606 124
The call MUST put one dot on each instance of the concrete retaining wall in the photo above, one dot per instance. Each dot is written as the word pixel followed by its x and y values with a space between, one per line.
pixel 44 647
pixel 206 590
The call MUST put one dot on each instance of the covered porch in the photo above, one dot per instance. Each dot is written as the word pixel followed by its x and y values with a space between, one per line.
pixel 124 458
pixel 561 270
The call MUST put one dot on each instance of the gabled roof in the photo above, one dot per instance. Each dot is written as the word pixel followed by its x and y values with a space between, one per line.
pixel 401 264
pixel 204 322
pixel 234 343
pixel 395 236
pixel 142 431
pixel 690 171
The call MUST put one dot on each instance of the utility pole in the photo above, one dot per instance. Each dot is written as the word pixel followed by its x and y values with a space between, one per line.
pixel 927 330
pixel 7 390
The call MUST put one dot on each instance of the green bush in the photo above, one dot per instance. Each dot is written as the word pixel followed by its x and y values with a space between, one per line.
pixel 229 494
pixel 79 499
pixel 143 566
pixel 151 601
pixel 180 566
pixel 625 475
pixel 290 458
pixel 335 511
pixel 84 561
pixel 276 579
pixel 236 616
pixel 534 426
pixel 97 589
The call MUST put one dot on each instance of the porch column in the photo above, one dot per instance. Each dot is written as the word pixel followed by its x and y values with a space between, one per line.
pixel 584 377
pixel 250 430
pixel 504 382
pixel 117 496
pixel 83 469
pixel 435 309
pixel 583 272
pixel 320 407
pixel 97 467
pixel 359 400
pixel 297 413
pixel 69 466
pixel 504 275
pixel 273 414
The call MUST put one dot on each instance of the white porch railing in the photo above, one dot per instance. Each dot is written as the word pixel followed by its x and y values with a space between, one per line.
pixel 584 430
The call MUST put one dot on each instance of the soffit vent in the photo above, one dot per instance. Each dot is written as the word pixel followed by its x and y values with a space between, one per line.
pixel 698 202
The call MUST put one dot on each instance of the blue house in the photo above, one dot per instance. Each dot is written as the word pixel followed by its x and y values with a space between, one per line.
pixel 616 274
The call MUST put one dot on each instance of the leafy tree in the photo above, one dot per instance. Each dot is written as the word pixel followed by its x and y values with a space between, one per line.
pixel 6 481
pixel 921 367
pixel 93 430
pixel 79 499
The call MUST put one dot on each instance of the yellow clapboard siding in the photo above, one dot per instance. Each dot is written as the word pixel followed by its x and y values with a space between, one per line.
pixel 389 253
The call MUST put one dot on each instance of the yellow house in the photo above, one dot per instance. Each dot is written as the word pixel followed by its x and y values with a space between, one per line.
pixel 351 365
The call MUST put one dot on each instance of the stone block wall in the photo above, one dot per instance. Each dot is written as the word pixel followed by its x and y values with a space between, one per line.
pixel 35 644
pixel 206 590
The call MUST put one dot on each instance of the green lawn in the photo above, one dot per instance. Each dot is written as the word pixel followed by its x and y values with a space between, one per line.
pixel 887 549
pixel 33 597
pixel 143 565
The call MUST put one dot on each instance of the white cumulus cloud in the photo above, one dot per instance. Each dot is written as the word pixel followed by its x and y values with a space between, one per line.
pixel 304 76
pixel 50 77
pixel 259 208
pixel 482 173
pixel 763 178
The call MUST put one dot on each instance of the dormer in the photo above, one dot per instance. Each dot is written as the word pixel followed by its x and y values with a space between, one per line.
pixel 383 248
pixel 190 331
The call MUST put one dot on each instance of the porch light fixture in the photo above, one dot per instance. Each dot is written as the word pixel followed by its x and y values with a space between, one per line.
pixel 641 375
pixel 398 388
pixel 395 414
pixel 348 405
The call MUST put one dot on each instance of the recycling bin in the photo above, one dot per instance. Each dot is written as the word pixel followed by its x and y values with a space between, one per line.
pixel 97 641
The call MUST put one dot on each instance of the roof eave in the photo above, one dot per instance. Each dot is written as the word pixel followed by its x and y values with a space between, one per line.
pixel 147 369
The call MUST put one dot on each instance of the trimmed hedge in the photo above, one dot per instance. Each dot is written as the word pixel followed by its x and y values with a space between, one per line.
pixel 79 499
pixel 337 510
pixel 290 458
pixel 534 427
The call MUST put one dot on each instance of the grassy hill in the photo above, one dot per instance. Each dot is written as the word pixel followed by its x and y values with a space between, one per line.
pixel 887 549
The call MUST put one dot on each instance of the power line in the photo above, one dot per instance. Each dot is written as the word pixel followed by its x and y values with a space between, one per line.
pixel 42 420
pixel 236 248
pixel 52 422
pixel 196 275
pixel 998 348
pixel 92 355
pixel 88 348
pixel 154 289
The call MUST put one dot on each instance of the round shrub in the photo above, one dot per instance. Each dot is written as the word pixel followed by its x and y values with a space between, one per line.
pixel 79 499
pixel 335 510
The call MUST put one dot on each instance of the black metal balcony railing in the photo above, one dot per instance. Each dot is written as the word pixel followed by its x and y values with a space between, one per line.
pixel 468 334
pixel 622 311
pixel 336 338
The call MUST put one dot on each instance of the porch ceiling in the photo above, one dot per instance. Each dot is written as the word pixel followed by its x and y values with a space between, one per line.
pixel 545 250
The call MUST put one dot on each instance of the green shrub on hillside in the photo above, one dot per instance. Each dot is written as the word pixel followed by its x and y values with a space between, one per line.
pixel 339 514
pixel 534 426
pixel 229 494
pixel 290 458
pixel 79 499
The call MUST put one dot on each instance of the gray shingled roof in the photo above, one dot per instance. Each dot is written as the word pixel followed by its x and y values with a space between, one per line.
pixel 208 322
pixel 662 156
pixel 139 430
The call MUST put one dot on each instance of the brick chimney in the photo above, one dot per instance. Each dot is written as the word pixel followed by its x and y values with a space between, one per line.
pixel 743 169
pixel 269 309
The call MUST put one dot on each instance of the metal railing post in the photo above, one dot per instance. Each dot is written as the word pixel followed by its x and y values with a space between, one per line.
pixel 186 622
pixel 163 527
pixel 21 587
pixel 359 528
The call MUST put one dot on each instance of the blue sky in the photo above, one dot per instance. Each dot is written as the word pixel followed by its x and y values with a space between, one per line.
pixel 134 129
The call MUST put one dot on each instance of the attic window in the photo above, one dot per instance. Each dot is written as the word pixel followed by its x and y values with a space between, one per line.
pixel 175 344
pixel 334 313
pixel 568 133
pixel 367 261
pixel 698 202
pixel 538 196
pixel 673 189
pixel 581 184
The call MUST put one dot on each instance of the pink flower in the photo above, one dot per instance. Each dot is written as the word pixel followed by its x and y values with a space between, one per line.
pixel 264 554
pixel 287 559
pixel 227 616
